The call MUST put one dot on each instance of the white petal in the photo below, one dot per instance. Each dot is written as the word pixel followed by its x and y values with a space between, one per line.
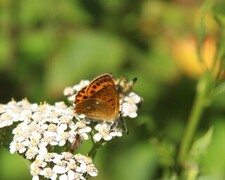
pixel 59 169
pixel 108 138
pixel 97 137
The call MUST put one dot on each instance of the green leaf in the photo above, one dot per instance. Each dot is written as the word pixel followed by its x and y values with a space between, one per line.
pixel 213 163
pixel 220 89
pixel 200 145
pixel 219 8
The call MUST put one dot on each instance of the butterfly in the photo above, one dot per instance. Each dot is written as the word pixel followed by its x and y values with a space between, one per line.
pixel 100 100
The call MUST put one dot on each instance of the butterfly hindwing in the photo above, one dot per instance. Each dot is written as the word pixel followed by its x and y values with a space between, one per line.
pixel 102 105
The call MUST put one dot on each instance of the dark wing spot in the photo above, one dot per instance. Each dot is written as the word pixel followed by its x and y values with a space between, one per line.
pixel 97 84
pixel 92 92
pixel 110 100
pixel 94 86
pixel 85 97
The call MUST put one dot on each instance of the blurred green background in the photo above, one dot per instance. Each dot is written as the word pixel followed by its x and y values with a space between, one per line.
pixel 46 46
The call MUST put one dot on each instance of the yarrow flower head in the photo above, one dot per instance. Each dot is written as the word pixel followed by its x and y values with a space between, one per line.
pixel 42 130
pixel 46 125
pixel 63 166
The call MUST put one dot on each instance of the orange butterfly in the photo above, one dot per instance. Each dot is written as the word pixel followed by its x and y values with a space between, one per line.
pixel 100 100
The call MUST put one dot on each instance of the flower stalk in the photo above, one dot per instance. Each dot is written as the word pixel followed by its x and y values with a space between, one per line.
pixel 199 105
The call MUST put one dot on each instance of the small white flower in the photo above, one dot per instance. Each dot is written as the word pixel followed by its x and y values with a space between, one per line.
pixel 48 157
pixel 71 91
pixel 106 132
pixel 31 152
pixel 60 168
pixel 81 85
pixel 97 137
pixel 129 110
pixel 129 105
pixel 68 91
pixel 35 178
pixel 63 177
pixel 57 157
pixel 35 171
pixel 47 172
pixel 5 120
pixel 71 99
pixel 67 155
pixel 12 147
pixel 71 175
pixel 34 107
pixel 42 151
pixel 25 114
pixel 92 171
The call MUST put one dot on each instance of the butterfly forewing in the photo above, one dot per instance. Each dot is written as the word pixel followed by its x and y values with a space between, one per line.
pixel 80 96
pixel 98 83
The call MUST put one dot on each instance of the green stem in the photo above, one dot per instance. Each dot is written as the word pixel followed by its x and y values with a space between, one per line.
pixel 194 119
pixel 95 146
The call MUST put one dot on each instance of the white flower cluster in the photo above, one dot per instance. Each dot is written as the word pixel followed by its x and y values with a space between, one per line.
pixel 15 111
pixel 45 126
pixel 63 166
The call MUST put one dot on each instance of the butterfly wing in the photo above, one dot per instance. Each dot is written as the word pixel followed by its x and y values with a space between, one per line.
pixel 99 83
pixel 102 105
pixel 80 96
